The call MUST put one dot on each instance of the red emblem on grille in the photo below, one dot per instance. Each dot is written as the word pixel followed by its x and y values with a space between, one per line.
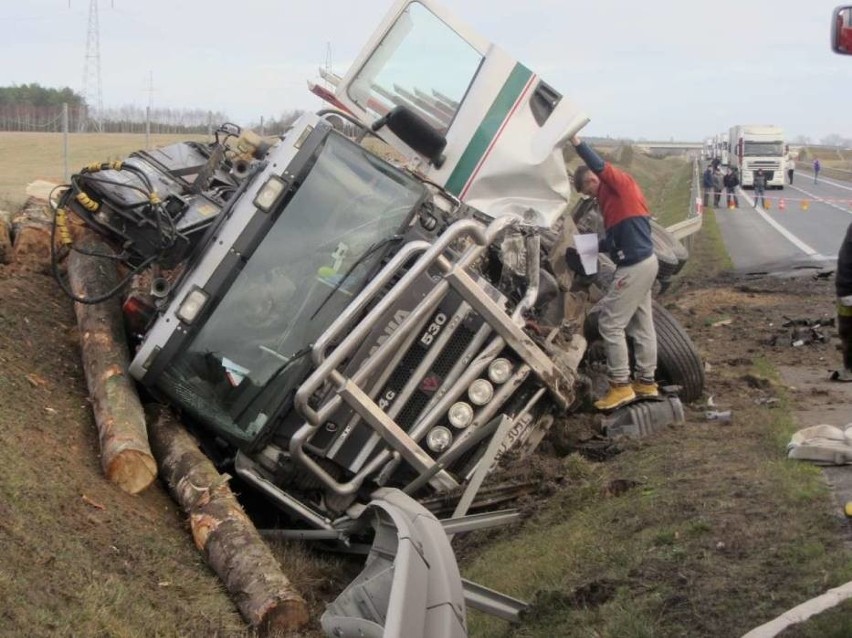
pixel 430 384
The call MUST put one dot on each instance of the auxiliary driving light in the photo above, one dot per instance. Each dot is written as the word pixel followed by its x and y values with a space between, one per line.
pixel 270 193
pixel 439 438
pixel 192 305
pixel 460 415
pixel 500 370
pixel 480 392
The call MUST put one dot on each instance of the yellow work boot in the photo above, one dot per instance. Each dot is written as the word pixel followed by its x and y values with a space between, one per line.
pixel 646 389
pixel 619 394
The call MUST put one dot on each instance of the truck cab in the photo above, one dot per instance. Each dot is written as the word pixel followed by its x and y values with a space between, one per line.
pixel 335 314
pixel 332 319
pixel 758 147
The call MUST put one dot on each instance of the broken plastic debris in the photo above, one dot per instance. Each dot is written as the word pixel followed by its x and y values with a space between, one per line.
pixel 723 416
pixel 721 322
pixel 767 401
pixel 822 444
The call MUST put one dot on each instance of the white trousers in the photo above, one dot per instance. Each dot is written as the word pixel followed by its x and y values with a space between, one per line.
pixel 625 311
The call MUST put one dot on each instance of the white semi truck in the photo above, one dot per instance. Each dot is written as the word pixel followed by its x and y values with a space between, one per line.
pixel 722 148
pixel 361 341
pixel 754 147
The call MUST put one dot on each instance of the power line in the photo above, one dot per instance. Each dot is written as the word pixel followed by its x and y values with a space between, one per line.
pixel 92 86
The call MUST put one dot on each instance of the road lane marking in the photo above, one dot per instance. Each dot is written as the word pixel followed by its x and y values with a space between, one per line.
pixel 823 179
pixel 817 198
pixel 798 243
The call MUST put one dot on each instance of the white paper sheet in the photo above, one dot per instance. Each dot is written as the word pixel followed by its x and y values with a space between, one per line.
pixel 587 248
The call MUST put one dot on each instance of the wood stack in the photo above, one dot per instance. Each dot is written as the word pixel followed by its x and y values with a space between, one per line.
pixel 222 531
pixel 126 457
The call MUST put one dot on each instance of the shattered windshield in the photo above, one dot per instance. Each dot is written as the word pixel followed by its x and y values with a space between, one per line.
pixel 421 63
pixel 763 149
pixel 315 258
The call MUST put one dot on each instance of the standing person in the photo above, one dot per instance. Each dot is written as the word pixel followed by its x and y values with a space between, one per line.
pixel 843 287
pixel 817 167
pixel 718 182
pixel 625 310
pixel 791 168
pixel 731 182
pixel 759 187
pixel 707 185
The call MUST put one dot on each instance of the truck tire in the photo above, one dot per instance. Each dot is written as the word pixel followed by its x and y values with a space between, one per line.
pixel 678 361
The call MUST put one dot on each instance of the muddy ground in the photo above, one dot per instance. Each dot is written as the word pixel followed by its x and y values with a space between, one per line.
pixel 77 556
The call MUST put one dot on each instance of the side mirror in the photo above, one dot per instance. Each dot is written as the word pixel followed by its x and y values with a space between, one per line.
pixel 414 131
pixel 841 30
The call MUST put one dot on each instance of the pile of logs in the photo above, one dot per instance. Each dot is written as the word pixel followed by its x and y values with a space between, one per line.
pixel 25 235
pixel 222 531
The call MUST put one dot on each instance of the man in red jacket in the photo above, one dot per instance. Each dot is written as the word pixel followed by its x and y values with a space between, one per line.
pixel 626 308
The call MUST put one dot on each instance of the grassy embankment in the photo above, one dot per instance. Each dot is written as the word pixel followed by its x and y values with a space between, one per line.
pixel 25 157
pixel 835 163
pixel 718 535
pixel 715 532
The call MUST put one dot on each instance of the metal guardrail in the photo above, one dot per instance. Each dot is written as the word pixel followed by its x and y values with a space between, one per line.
pixel 692 224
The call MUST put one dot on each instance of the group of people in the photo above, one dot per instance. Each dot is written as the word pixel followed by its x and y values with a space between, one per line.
pixel 714 181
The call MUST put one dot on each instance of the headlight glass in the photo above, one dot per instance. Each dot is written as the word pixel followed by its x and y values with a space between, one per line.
pixel 500 370
pixel 460 414
pixel 480 392
pixel 439 438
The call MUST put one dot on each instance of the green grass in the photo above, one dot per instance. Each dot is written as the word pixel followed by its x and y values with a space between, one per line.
pixel 30 156
pixel 708 257
pixel 685 555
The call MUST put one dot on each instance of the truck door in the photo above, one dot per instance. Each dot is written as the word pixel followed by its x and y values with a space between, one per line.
pixel 503 125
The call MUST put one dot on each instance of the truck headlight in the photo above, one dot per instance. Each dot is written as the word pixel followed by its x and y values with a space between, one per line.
pixel 480 392
pixel 460 415
pixel 500 370
pixel 192 305
pixel 439 438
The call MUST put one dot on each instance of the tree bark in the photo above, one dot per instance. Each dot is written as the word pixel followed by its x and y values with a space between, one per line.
pixel 5 241
pixel 222 531
pixel 125 454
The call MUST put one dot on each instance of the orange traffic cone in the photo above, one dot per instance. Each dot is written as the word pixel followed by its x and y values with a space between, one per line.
pixel 767 204
pixel 805 204
pixel 781 204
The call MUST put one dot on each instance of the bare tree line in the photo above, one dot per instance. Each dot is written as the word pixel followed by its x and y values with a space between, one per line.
pixel 124 119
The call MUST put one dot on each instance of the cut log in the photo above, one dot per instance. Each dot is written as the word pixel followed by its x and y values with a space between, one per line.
pixel 126 457
pixel 222 531
pixel 5 238
pixel 32 245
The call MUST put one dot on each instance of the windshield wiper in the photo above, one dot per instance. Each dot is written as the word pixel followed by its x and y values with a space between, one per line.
pixel 370 250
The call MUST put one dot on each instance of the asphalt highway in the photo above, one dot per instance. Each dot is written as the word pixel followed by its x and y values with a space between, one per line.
pixel 800 226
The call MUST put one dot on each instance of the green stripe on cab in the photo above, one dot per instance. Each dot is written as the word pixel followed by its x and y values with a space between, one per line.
pixel 487 130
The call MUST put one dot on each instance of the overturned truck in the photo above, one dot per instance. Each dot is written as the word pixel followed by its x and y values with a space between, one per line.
pixel 349 333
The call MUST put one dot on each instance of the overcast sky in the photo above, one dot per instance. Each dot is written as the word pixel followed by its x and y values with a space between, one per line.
pixel 656 69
